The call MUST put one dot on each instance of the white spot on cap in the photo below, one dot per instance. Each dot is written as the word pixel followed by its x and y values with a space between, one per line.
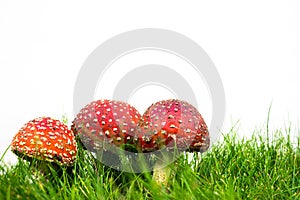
pixel 170 116
pixel 188 130
pixel 172 126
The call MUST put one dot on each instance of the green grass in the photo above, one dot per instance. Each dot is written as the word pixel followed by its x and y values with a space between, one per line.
pixel 255 168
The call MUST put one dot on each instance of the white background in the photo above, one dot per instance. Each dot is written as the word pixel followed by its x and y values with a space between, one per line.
pixel 255 46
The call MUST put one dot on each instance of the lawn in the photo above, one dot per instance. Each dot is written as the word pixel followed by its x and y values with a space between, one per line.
pixel 234 168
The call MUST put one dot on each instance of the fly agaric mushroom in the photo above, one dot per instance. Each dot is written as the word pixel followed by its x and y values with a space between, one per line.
pixel 104 125
pixel 172 125
pixel 45 139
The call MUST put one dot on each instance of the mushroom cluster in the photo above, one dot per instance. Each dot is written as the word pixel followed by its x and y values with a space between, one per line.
pixel 104 124
pixel 166 125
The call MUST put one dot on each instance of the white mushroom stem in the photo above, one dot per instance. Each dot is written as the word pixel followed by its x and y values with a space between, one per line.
pixel 161 173
pixel 163 167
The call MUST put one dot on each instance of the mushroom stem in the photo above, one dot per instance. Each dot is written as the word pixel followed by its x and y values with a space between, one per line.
pixel 163 167
pixel 161 173
pixel 46 169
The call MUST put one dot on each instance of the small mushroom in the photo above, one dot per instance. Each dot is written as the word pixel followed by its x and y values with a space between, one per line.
pixel 45 139
pixel 174 126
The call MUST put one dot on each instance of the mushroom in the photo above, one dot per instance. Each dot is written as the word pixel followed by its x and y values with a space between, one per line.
pixel 47 140
pixel 106 126
pixel 170 127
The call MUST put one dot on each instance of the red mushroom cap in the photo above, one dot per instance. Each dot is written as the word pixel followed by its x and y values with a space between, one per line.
pixel 173 122
pixel 106 121
pixel 45 138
